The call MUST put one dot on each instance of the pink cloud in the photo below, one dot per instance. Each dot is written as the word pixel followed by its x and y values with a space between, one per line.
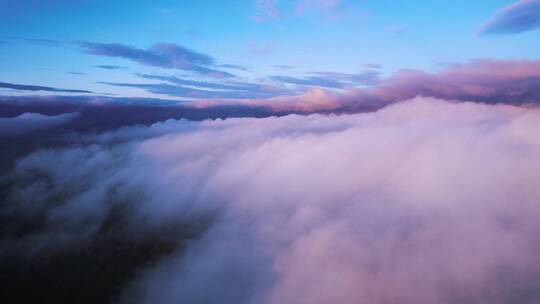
pixel 481 80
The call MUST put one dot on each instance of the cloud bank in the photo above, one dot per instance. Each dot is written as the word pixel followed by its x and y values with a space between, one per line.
pixel 519 17
pixel 424 201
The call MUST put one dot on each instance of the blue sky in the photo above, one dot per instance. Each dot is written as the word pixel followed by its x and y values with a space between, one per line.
pixel 41 42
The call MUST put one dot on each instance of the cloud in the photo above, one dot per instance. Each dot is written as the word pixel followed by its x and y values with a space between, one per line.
pixel 310 81
pixel 283 66
pixel 484 80
pixel 522 16
pixel 180 87
pixel 372 65
pixel 190 92
pixel 110 67
pixel 331 80
pixel 163 55
pixel 481 80
pixel 267 10
pixel 243 86
pixel 234 67
pixel 362 78
pixel 99 113
pixel 314 100
pixel 25 87
pixel 43 42
pixel 30 122
pixel 424 201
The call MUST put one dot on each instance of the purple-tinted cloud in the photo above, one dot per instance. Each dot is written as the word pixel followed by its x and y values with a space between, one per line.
pixel 426 201
pixel 519 17
pixel 163 55
pixel 483 80
pixel 25 87
pixel 105 113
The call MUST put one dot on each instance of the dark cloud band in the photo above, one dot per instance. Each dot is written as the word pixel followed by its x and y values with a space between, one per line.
pixel 163 55
pixel 25 87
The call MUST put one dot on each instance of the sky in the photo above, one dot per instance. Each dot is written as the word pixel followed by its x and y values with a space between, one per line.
pixel 248 48
pixel 270 151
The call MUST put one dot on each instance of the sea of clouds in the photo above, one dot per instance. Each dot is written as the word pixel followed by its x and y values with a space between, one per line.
pixel 423 201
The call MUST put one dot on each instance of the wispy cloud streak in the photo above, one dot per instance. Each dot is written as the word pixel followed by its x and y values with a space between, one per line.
pixel 519 17
pixel 163 55
pixel 26 87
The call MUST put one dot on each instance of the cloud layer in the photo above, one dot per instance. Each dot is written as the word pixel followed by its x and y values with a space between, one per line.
pixel 425 201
